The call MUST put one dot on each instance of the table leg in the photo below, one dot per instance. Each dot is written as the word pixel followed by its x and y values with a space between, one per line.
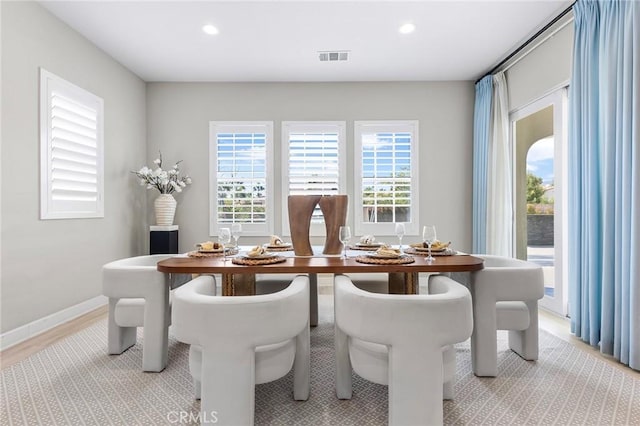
pixel 313 300
pixel 244 284
pixel 227 284
pixel 403 283
pixel 238 284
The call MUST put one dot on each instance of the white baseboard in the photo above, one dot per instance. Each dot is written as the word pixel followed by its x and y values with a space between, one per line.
pixel 27 331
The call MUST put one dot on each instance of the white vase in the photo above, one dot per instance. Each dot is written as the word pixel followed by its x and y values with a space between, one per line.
pixel 165 206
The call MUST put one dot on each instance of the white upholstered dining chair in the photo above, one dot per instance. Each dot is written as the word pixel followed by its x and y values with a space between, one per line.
pixel 505 296
pixel 403 341
pixel 240 341
pixel 138 297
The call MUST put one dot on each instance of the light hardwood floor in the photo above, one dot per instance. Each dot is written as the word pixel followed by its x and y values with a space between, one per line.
pixel 549 322
pixel 22 350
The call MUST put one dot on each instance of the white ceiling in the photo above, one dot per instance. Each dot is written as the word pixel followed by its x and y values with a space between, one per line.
pixel 279 40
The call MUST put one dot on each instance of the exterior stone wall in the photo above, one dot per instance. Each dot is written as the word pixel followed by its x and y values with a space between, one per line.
pixel 540 229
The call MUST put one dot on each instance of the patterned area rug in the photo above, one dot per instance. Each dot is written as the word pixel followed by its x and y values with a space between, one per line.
pixel 75 382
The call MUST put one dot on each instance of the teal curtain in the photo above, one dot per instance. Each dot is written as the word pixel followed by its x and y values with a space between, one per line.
pixel 604 183
pixel 481 134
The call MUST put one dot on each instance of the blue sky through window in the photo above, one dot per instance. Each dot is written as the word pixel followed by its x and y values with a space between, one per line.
pixel 540 159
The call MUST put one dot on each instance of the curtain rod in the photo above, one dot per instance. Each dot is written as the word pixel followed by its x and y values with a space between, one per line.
pixel 529 41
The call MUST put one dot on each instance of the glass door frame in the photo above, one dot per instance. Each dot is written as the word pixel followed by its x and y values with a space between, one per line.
pixel 558 303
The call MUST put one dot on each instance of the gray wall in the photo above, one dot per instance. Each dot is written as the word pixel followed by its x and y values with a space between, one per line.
pixel 51 265
pixel 47 266
pixel 546 68
pixel 178 116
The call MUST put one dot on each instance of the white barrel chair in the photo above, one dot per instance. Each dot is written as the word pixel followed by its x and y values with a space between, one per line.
pixel 138 297
pixel 240 341
pixel 403 341
pixel 505 297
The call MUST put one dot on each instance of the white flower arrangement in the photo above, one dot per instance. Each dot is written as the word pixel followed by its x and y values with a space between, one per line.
pixel 165 181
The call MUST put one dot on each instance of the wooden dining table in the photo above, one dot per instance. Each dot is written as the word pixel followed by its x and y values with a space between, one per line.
pixel 240 279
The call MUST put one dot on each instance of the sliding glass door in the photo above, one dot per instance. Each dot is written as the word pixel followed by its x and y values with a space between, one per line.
pixel 540 144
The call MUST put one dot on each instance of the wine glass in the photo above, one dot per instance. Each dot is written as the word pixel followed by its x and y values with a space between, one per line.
pixel 224 237
pixel 345 236
pixel 400 234
pixel 429 237
pixel 236 230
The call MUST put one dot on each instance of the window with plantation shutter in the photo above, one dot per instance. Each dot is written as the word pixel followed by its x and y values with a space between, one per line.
pixel 386 176
pixel 241 176
pixel 71 145
pixel 314 159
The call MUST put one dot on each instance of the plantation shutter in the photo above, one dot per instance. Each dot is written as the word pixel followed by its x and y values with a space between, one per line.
pixel 313 153
pixel 314 165
pixel 71 150
pixel 386 177
pixel 241 176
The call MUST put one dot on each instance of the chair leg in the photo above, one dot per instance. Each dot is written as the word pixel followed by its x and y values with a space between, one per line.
pixel 343 365
pixel 447 389
pixel 484 346
pixel 195 368
pixel 228 386
pixel 449 372
pixel 119 339
pixel 525 342
pixel 197 388
pixel 415 394
pixel 156 332
pixel 302 366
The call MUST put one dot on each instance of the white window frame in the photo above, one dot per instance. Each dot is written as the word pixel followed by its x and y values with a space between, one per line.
pixel 391 126
pixel 66 205
pixel 217 127
pixel 288 127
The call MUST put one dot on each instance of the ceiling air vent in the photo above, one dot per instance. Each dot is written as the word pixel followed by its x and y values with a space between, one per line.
pixel 337 55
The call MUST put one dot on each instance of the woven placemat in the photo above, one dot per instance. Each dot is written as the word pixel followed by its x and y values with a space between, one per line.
pixel 196 253
pixel 283 248
pixel 381 261
pixel 252 262
pixel 412 251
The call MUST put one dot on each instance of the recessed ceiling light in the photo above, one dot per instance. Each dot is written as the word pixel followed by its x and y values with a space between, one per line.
pixel 210 29
pixel 407 28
